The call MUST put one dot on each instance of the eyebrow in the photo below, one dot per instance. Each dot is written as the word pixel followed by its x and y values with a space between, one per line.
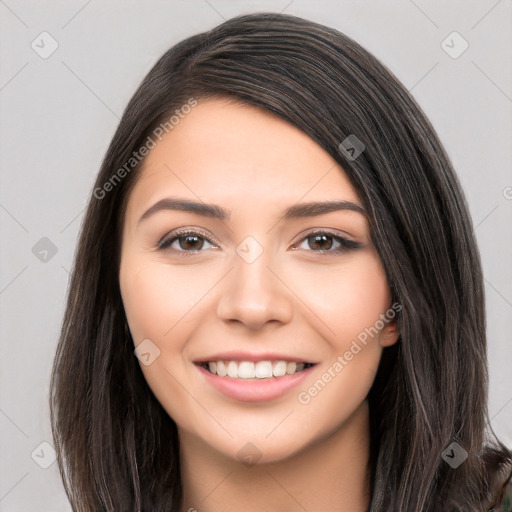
pixel 213 211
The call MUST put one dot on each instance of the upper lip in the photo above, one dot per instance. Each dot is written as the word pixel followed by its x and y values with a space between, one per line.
pixel 248 356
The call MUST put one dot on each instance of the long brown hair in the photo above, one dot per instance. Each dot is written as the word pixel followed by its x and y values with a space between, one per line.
pixel 117 447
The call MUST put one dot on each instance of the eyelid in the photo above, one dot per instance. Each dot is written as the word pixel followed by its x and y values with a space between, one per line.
pixel 176 233
pixel 328 231
pixel 346 243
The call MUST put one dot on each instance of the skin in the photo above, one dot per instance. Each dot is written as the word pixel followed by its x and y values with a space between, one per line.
pixel 298 301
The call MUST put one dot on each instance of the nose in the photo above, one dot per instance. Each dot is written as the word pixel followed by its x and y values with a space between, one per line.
pixel 255 294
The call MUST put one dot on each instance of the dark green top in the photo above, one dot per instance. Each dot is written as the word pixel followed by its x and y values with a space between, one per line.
pixel 504 499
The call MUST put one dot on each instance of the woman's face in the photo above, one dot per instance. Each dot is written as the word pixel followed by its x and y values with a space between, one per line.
pixel 261 282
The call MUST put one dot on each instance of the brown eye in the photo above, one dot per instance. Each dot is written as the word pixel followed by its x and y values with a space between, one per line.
pixel 190 242
pixel 321 242
pixel 184 242
pixel 324 242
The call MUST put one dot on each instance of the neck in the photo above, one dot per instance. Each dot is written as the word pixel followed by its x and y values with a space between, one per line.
pixel 330 475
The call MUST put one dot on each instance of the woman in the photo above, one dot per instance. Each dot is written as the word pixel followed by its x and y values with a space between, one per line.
pixel 277 299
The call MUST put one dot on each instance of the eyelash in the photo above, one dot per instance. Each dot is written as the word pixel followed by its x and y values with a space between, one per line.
pixel 345 244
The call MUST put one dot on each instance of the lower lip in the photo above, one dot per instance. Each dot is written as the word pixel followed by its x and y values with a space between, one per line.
pixel 255 390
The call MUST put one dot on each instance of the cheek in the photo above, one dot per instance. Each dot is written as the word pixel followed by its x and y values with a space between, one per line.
pixel 350 305
pixel 162 302
pixel 165 304
pixel 345 299
pixel 158 299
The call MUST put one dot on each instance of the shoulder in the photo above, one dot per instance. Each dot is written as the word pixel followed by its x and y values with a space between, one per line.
pixel 503 501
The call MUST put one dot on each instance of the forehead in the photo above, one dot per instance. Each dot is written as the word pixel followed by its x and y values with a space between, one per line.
pixel 227 152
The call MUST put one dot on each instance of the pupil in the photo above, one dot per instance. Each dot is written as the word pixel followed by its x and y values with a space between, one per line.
pixel 187 244
pixel 320 239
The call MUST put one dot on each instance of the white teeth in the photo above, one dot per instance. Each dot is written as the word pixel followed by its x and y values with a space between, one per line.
pixel 251 370
pixel 263 369
pixel 279 369
pixel 232 369
pixel 246 370
pixel 221 369
pixel 290 368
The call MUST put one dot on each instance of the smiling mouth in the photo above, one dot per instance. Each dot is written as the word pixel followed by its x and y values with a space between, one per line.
pixel 249 370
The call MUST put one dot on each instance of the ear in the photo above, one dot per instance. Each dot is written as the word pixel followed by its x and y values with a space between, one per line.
pixel 389 335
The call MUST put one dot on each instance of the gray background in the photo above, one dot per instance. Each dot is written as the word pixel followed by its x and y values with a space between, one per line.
pixel 59 113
